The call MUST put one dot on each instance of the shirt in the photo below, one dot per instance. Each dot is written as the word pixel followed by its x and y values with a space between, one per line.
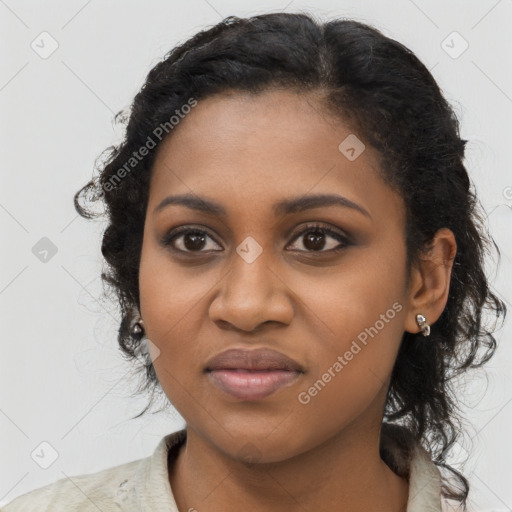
pixel 143 485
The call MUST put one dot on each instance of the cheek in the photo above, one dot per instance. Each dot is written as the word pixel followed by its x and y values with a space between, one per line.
pixel 174 310
pixel 359 319
pixel 168 292
pixel 353 297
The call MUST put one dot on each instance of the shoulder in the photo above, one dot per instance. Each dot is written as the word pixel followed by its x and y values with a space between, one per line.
pixel 142 484
pixel 104 490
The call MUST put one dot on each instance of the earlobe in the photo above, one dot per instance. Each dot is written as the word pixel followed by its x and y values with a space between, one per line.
pixel 431 283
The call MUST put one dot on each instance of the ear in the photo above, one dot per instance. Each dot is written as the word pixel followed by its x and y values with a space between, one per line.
pixel 430 281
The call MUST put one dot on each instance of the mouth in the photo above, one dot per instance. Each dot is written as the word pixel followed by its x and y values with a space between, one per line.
pixel 252 374
pixel 252 384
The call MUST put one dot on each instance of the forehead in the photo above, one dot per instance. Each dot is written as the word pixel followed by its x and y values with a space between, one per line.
pixel 263 147
pixel 227 123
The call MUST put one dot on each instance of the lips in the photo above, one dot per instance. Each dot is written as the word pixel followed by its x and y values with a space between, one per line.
pixel 252 374
pixel 256 359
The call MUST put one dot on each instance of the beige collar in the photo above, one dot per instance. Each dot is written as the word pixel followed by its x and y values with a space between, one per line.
pixel 153 491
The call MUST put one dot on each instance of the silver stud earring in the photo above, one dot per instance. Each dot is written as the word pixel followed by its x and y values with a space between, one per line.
pixel 138 326
pixel 422 322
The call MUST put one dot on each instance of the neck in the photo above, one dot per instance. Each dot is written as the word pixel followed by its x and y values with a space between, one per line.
pixel 345 472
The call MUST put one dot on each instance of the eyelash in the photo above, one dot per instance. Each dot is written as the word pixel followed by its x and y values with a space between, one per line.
pixel 170 237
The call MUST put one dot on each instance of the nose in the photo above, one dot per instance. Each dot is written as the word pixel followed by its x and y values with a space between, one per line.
pixel 251 294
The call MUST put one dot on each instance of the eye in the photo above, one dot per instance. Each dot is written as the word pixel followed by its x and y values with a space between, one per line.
pixel 189 240
pixel 315 241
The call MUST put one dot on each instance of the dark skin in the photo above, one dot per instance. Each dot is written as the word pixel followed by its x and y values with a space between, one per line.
pixel 247 152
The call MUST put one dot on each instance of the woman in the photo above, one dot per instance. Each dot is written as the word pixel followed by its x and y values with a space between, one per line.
pixel 298 256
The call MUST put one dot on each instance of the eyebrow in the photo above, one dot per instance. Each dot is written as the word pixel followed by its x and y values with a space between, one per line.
pixel 284 207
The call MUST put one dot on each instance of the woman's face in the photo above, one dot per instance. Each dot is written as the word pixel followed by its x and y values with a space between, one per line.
pixel 260 275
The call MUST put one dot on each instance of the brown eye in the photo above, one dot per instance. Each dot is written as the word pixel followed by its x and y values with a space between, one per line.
pixel 315 238
pixel 188 240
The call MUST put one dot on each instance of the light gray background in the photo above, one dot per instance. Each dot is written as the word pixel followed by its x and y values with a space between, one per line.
pixel 62 379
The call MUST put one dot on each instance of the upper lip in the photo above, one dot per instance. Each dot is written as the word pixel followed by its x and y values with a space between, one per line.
pixel 254 359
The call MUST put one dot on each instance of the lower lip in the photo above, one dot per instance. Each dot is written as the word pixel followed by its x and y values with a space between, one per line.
pixel 252 385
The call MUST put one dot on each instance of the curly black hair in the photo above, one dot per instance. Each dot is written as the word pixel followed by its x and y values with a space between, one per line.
pixel 387 95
